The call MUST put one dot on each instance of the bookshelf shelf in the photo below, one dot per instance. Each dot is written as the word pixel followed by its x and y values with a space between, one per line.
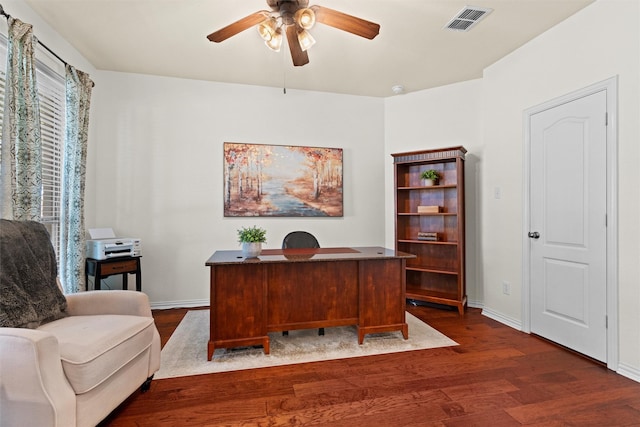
pixel 427 214
pixel 427 242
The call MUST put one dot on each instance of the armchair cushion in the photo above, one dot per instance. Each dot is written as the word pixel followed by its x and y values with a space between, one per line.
pixel 93 348
pixel 30 294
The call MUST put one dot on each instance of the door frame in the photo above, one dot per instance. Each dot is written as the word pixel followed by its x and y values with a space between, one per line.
pixel 611 87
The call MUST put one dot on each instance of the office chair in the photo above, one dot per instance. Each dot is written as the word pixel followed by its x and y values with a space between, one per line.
pixel 300 239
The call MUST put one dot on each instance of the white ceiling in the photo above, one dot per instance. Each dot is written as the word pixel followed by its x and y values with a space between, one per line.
pixel 168 38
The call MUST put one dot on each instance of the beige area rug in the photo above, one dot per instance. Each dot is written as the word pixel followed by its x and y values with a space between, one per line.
pixel 186 351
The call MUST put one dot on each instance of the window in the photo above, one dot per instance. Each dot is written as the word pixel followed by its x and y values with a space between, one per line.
pixel 51 91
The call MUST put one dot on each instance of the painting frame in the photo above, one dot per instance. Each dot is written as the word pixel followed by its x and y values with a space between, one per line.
pixel 282 180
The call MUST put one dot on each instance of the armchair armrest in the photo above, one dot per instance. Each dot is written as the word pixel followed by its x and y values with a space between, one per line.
pixel 108 302
pixel 131 303
pixel 33 387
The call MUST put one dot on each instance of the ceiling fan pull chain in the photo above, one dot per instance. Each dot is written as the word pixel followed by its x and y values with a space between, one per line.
pixel 284 74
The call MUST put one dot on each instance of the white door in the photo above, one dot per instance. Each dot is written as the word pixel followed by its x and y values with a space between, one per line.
pixel 568 237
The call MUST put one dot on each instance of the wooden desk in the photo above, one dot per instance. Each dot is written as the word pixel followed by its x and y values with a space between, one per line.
pixel 287 289
pixel 101 268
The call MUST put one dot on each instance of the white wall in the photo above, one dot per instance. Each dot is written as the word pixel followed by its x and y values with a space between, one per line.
pixel 159 142
pixel 485 116
pixel 597 43
pixel 446 116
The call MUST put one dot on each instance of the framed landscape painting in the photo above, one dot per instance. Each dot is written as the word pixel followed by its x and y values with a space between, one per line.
pixel 282 180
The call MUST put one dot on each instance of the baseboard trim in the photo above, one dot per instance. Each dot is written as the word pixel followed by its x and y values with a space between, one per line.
pixel 163 305
pixel 629 372
pixel 499 317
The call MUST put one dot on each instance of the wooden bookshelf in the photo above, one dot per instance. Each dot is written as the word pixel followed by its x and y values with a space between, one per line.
pixel 437 274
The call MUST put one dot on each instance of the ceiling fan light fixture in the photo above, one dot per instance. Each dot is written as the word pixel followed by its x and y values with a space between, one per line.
pixel 294 18
pixel 306 39
pixel 267 28
pixel 276 41
pixel 305 18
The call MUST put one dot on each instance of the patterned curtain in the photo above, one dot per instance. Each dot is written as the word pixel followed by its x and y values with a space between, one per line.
pixel 21 169
pixel 72 234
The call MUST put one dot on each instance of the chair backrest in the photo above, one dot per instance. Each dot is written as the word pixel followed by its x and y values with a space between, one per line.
pixel 300 239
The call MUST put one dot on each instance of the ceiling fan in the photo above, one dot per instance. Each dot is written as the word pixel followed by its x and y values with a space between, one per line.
pixel 295 18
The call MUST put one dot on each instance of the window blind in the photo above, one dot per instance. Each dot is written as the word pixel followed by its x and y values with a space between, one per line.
pixel 51 93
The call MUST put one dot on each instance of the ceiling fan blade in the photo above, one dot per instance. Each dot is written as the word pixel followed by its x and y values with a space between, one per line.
pixel 344 22
pixel 238 26
pixel 298 55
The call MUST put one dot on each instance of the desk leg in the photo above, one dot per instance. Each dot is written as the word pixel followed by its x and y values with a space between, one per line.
pixel 125 281
pixel 138 277
pixel 364 330
pixel 242 342
pixel 97 282
pixel 210 349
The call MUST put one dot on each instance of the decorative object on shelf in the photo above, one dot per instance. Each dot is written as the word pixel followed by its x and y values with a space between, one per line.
pixel 252 239
pixel 428 236
pixel 429 209
pixel 430 177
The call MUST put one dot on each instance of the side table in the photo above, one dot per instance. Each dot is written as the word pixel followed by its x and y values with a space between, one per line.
pixel 101 268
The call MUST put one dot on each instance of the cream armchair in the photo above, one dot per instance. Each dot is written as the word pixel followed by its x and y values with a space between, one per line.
pixel 76 369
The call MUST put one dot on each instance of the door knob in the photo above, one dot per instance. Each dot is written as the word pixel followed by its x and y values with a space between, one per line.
pixel 534 234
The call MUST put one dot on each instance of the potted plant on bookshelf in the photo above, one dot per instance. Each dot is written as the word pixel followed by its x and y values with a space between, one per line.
pixel 430 177
pixel 251 239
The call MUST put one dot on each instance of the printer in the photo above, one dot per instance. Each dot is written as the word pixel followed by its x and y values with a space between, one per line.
pixel 111 248
pixel 104 245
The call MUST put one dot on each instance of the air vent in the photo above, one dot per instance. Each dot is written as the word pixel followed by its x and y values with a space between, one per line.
pixel 467 18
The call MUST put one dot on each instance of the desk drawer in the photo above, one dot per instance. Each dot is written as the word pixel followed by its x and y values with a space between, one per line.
pixel 128 266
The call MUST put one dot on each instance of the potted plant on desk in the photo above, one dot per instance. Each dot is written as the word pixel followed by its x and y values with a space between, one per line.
pixel 252 239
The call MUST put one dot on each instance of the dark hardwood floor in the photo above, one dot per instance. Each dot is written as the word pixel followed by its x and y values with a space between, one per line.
pixel 496 377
